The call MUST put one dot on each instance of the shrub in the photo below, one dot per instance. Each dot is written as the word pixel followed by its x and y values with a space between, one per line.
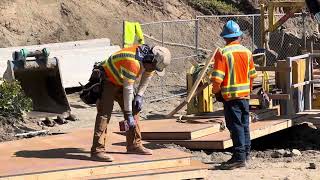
pixel 13 101
pixel 214 6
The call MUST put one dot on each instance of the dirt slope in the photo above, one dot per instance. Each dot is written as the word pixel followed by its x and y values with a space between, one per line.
pixel 24 22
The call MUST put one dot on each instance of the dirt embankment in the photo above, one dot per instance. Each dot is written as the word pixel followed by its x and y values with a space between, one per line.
pixel 46 21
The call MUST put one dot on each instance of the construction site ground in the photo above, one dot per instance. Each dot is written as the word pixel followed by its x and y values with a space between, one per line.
pixel 265 164
pixel 39 22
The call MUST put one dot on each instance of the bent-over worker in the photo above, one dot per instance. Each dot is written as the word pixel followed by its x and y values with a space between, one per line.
pixel 232 81
pixel 121 71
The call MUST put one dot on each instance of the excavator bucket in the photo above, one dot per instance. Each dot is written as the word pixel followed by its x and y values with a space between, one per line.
pixel 40 79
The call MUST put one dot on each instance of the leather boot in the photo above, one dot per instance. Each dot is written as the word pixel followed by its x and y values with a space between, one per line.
pixel 101 156
pixel 134 145
pixel 139 150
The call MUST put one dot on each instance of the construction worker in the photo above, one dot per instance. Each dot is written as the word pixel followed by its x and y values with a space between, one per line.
pixel 232 78
pixel 121 71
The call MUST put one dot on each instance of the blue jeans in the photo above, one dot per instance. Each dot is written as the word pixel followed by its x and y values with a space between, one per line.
pixel 236 113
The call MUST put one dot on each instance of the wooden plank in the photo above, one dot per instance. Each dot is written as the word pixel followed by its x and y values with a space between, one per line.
pixel 169 129
pixel 68 156
pixel 194 88
pixel 222 139
pixel 196 170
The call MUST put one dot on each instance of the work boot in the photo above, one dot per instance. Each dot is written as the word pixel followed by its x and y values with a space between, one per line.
pixel 101 156
pixel 232 164
pixel 139 150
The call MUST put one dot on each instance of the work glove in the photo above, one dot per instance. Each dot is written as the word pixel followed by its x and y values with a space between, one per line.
pixel 137 103
pixel 130 120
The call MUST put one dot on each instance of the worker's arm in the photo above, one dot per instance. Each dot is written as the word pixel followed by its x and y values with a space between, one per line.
pixel 218 73
pixel 129 73
pixel 127 101
pixel 252 72
pixel 144 82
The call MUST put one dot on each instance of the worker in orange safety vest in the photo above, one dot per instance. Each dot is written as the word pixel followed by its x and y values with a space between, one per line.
pixel 121 71
pixel 232 77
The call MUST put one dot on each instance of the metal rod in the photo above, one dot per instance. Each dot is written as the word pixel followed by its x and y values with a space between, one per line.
pixel 184 57
pixel 173 21
pixel 240 15
pixel 176 44
pixel 304 31
pixel 162 34
pixel 252 48
pixel 303 56
pixel 197 36
pixel 169 97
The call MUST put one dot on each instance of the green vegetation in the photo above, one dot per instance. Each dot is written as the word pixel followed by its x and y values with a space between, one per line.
pixel 13 102
pixel 213 6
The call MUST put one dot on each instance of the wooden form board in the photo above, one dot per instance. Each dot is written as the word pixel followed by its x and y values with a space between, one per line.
pixel 196 170
pixel 311 116
pixel 222 139
pixel 170 129
pixel 68 156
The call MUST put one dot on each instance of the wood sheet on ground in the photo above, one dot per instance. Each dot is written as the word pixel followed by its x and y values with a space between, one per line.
pixel 222 140
pixel 171 129
pixel 68 156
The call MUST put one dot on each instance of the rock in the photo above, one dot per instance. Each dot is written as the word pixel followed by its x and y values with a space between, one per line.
pixel 287 154
pixel 295 152
pixel 278 153
pixel 312 166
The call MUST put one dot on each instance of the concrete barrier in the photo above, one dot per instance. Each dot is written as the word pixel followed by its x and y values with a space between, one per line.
pixel 76 58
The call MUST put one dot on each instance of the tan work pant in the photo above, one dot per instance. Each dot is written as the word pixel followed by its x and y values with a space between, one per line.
pixel 111 93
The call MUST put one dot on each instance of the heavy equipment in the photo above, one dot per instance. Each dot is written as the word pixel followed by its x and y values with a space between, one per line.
pixel 40 79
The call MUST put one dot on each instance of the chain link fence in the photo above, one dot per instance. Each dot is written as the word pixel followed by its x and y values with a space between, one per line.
pixel 194 40
pixel 179 37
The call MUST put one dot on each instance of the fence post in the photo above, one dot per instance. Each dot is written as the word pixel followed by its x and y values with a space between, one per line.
pixel 304 37
pixel 162 34
pixel 253 28
pixel 123 32
pixel 289 102
pixel 308 95
pixel 197 35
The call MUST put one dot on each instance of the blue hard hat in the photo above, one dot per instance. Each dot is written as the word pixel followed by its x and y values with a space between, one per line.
pixel 230 30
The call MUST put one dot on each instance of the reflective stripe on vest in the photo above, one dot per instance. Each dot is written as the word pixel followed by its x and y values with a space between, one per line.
pixel 234 88
pixel 118 73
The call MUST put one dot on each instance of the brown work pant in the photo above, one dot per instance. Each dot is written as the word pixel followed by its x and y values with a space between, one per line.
pixel 111 93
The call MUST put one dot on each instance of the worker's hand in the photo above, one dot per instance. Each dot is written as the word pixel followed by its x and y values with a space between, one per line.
pixel 129 118
pixel 137 103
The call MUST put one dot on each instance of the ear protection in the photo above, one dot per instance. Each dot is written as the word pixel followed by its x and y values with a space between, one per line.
pixel 149 58
pixel 146 54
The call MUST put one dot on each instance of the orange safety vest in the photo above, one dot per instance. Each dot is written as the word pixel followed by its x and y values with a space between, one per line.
pixel 234 68
pixel 122 65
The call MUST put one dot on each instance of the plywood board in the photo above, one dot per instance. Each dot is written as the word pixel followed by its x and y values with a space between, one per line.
pixel 170 129
pixel 222 139
pixel 196 170
pixel 68 156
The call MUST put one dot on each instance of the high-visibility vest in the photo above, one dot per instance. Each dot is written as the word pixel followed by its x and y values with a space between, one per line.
pixel 131 30
pixel 122 65
pixel 234 68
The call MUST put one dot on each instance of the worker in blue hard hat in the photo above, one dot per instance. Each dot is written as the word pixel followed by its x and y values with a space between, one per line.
pixel 232 77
